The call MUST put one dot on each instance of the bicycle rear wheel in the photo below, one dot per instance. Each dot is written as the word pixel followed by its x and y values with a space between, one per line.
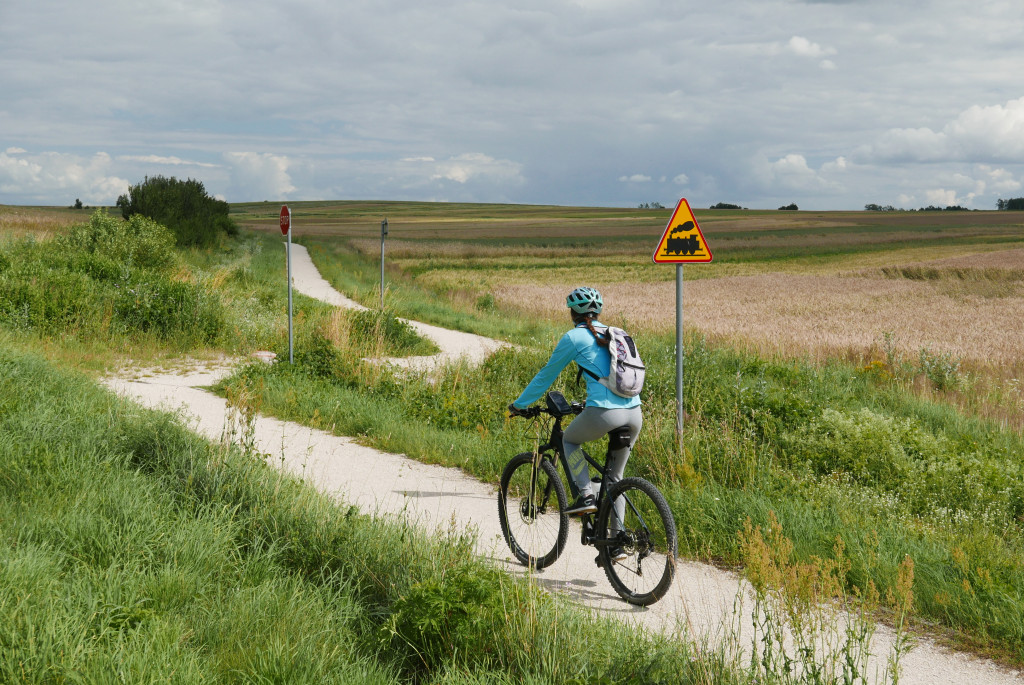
pixel 646 535
pixel 530 510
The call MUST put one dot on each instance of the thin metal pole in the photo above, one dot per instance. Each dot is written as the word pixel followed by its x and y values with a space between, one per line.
pixel 679 356
pixel 291 348
pixel 383 232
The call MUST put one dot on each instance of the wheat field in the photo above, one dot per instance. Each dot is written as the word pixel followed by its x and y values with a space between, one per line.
pixel 811 314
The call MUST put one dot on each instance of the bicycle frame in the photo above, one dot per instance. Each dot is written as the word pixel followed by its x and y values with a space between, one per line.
pixel 554 443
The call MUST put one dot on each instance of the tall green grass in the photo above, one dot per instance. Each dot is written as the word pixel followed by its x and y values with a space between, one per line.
pixel 831 450
pixel 107 278
pixel 117 287
pixel 130 549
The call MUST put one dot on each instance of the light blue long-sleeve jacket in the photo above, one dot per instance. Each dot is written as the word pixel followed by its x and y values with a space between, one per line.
pixel 578 345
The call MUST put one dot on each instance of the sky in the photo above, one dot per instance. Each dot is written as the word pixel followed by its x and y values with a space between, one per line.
pixel 829 104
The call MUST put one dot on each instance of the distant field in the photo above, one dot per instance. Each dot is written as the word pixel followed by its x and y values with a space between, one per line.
pixel 812 282
pixel 38 221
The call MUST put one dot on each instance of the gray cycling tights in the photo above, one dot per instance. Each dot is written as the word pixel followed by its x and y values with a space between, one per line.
pixel 591 424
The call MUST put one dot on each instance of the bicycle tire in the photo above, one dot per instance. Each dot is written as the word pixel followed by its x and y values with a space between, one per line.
pixel 647 536
pixel 536 535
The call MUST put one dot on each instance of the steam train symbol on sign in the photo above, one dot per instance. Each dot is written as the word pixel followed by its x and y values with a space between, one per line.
pixel 686 244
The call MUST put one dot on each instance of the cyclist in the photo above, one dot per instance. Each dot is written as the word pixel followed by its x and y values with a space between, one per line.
pixel 586 345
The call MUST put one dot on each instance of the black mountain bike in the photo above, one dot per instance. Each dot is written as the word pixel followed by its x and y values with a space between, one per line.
pixel 635 541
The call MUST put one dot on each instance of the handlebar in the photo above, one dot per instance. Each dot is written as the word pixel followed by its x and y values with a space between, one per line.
pixel 536 410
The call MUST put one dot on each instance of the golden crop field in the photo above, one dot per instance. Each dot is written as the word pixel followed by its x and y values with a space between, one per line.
pixel 38 221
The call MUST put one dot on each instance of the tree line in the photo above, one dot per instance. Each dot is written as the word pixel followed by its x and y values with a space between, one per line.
pixel 1013 204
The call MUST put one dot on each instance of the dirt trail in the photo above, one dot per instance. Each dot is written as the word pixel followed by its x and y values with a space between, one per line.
pixel 700 603
pixel 307 280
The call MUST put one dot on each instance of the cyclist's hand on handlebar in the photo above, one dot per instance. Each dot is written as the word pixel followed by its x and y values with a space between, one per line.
pixel 528 412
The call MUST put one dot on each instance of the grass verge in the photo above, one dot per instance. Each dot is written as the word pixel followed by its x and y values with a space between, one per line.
pixel 831 450
pixel 130 546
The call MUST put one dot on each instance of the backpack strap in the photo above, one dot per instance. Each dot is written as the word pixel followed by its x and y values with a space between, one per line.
pixel 579 374
pixel 580 370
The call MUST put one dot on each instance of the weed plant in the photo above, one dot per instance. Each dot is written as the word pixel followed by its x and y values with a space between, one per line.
pixel 132 550
pixel 809 625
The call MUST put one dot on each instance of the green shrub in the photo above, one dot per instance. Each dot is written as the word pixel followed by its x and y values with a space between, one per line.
pixel 314 354
pixel 941 369
pixel 106 277
pixel 183 206
pixel 169 309
pixel 866 445
pixel 51 302
pixel 136 242
pixel 440 614
pixel 487 303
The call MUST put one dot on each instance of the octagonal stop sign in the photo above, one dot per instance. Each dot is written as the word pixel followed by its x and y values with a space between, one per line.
pixel 286 219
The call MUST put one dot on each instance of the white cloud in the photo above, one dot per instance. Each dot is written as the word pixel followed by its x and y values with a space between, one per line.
pixel 799 45
pixel 940 197
pixel 681 180
pixel 838 165
pixel 259 176
pixel 792 173
pixel 977 134
pixel 16 150
pixel 472 165
pixel 45 176
pixel 635 178
pixel 170 161
pixel 999 180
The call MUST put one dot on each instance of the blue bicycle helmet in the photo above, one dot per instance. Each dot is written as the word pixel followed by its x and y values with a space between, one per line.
pixel 584 301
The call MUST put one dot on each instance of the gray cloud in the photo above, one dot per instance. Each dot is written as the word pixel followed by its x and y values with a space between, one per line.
pixel 571 101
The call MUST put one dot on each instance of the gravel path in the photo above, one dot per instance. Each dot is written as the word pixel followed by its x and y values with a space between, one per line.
pixel 701 602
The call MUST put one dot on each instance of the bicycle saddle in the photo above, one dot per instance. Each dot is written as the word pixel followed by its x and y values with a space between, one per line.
pixel 619 437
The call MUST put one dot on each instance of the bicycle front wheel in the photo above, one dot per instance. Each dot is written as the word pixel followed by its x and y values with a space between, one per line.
pixel 635 525
pixel 530 506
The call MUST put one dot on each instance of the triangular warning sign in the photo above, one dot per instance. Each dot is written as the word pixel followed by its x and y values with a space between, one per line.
pixel 682 241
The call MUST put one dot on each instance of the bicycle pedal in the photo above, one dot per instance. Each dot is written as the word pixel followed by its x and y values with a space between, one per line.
pixel 597 560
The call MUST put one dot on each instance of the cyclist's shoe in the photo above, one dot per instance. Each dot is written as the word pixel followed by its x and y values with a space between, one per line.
pixel 582 505
pixel 614 554
pixel 617 554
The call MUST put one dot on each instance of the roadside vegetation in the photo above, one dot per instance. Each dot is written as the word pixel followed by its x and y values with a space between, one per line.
pixel 872 450
pixel 868 472
pixel 132 549
pixel 184 207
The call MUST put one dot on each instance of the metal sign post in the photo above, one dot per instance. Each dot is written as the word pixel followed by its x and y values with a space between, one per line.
pixel 679 356
pixel 286 229
pixel 383 234
pixel 681 243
